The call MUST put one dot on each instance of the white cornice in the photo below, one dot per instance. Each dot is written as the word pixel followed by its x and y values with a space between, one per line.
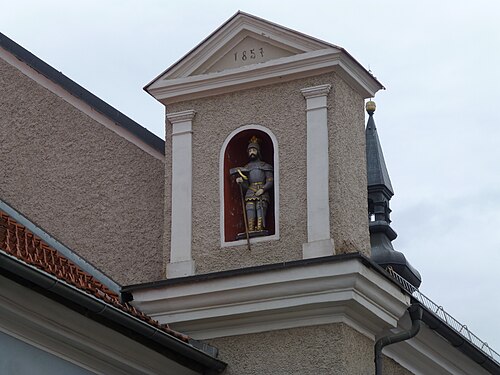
pixel 346 291
pixel 274 71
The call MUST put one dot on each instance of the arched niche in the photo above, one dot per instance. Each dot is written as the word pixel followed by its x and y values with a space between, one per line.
pixel 234 154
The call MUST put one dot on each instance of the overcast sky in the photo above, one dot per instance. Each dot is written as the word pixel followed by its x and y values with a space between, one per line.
pixel 438 120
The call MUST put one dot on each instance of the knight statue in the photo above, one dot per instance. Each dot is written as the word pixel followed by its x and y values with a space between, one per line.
pixel 256 181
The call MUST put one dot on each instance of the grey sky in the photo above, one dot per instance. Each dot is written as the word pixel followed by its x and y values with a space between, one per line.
pixel 438 120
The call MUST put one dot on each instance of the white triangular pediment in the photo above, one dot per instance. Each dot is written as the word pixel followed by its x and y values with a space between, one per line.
pixel 231 46
pixel 247 51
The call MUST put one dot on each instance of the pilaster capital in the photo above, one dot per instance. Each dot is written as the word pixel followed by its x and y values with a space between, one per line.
pixel 316 91
pixel 183 116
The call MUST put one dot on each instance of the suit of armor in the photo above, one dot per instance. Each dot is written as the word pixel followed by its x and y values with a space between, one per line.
pixel 256 181
pixel 257 198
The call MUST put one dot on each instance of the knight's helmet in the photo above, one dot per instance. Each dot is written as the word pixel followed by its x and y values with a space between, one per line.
pixel 254 143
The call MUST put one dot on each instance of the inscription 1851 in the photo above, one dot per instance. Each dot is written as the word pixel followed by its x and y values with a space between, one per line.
pixel 249 54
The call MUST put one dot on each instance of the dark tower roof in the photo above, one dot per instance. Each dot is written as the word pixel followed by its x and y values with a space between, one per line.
pixel 379 195
pixel 375 164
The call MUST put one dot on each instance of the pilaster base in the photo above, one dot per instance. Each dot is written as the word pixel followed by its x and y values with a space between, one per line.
pixel 180 269
pixel 316 249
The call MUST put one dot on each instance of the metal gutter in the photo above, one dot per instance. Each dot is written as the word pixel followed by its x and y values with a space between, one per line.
pixel 457 334
pixel 79 92
pixel 458 341
pixel 111 316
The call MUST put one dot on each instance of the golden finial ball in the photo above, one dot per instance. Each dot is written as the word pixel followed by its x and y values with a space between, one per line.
pixel 370 106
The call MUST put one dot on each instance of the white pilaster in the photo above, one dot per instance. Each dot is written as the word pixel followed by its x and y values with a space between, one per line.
pixel 319 242
pixel 181 262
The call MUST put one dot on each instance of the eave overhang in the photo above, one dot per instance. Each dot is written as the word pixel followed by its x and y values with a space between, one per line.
pixel 271 72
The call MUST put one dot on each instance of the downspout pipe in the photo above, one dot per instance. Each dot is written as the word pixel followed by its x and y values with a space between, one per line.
pixel 416 313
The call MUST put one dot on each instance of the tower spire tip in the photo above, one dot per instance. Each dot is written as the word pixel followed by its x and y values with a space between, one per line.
pixel 370 107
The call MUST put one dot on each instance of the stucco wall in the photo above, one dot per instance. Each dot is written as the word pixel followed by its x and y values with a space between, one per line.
pixel 326 349
pixel 280 108
pixel 91 189
pixel 348 197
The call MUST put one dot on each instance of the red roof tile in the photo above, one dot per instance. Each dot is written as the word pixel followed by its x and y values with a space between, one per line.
pixel 19 242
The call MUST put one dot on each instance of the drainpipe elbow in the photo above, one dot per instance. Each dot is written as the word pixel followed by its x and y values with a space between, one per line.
pixel 416 313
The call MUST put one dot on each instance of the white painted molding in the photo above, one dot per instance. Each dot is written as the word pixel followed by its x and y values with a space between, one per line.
pixel 58 330
pixel 181 117
pixel 79 104
pixel 181 262
pixel 319 241
pixel 266 73
pixel 344 291
pixel 276 168
pixel 320 91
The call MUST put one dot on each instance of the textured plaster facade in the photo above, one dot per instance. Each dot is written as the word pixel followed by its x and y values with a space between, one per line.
pixel 280 108
pixel 91 189
pixel 325 349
